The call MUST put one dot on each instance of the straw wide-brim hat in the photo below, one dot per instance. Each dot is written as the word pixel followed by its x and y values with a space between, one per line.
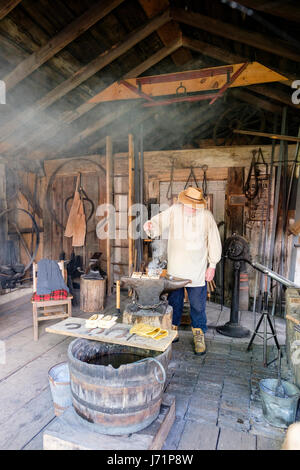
pixel 192 196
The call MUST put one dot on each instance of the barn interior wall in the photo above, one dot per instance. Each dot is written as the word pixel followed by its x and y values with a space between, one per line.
pixel 157 175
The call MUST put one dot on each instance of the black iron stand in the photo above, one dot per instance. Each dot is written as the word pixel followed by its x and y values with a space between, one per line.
pixel 265 336
pixel 233 328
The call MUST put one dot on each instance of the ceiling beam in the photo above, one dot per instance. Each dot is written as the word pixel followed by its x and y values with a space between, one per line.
pixel 215 52
pixel 7 7
pixel 286 10
pixel 244 95
pixel 229 58
pixel 275 94
pixel 61 40
pixel 84 73
pixel 230 31
pixel 226 56
pixel 168 32
pixel 70 116
pixel 102 60
pixel 108 118
pixel 206 79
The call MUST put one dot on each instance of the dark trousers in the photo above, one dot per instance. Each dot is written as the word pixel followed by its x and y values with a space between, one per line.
pixel 197 298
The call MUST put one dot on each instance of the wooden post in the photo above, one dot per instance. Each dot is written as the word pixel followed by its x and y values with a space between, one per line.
pixel 130 201
pixel 109 200
pixel 3 206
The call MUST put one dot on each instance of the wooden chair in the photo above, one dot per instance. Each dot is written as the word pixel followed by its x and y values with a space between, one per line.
pixel 65 304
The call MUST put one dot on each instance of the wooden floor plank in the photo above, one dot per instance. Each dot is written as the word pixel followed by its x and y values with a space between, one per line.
pixel 232 440
pixel 23 386
pixel 263 443
pixel 21 350
pixel 16 432
pixel 198 436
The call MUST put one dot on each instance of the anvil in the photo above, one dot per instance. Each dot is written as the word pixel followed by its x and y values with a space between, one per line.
pixel 150 293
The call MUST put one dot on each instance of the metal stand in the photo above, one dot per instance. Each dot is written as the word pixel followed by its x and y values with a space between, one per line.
pixel 265 336
pixel 233 328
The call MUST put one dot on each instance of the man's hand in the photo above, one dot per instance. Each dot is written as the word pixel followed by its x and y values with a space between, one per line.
pixel 148 226
pixel 210 274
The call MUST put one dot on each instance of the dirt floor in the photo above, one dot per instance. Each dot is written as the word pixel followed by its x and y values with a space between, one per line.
pixel 217 396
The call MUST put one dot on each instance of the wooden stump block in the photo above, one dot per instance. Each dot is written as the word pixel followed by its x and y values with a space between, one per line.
pixel 70 432
pixel 162 321
pixel 92 295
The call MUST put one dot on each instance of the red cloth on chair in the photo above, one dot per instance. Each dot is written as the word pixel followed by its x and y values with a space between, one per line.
pixel 60 294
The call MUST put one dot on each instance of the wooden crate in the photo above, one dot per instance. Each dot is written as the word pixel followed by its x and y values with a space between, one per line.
pixel 70 432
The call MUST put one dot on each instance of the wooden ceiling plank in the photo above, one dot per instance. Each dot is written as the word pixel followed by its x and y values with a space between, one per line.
pixel 244 95
pixel 84 73
pixel 69 117
pixel 102 60
pixel 108 118
pixel 228 57
pixel 230 31
pixel 168 32
pixel 61 40
pixel 274 94
pixel 7 7
pixel 286 10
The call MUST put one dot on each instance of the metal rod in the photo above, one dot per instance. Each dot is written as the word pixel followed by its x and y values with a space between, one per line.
pixel 277 277
pixel 277 190
pixel 280 137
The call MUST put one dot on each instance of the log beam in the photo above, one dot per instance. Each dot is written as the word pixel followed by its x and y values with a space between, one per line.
pixel 168 32
pixel 61 40
pixel 230 31
pixel 275 94
pixel 83 74
pixel 213 78
pixel 7 7
pixel 227 57
pixel 286 10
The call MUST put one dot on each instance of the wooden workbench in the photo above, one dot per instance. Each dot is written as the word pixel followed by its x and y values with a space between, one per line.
pixel 111 335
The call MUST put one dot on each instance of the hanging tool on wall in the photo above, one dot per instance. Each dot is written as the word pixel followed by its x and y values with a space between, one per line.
pixel 250 190
pixel 76 224
pixel 193 176
pixel 170 194
pixel 84 197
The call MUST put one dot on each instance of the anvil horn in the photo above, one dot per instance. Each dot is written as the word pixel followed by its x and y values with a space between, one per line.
pixel 129 282
pixel 173 283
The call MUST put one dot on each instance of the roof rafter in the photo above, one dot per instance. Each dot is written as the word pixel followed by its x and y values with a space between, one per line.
pixel 7 7
pixel 58 42
pixel 71 116
pixel 168 32
pixel 230 31
pixel 83 74
pixel 281 9
pixel 228 57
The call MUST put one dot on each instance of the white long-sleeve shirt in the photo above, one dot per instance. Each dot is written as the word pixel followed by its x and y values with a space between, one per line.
pixel 193 242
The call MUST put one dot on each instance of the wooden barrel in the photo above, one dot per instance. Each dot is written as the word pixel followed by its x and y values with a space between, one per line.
pixel 92 294
pixel 119 400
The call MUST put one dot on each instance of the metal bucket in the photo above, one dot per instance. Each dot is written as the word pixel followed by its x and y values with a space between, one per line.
pixel 279 412
pixel 59 379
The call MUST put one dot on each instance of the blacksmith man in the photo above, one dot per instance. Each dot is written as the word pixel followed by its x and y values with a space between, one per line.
pixel 194 249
